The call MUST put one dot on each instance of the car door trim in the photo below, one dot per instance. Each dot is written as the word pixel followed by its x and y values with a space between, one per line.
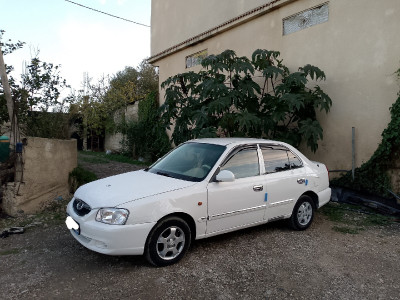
pixel 236 212
pixel 283 202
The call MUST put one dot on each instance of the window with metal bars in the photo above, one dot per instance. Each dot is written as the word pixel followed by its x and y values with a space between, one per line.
pixel 306 19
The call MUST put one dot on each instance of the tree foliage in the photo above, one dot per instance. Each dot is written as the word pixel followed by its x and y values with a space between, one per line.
pixel 43 85
pixel 39 107
pixel 238 96
pixel 89 109
pixel 146 137
pixel 98 102
pixel 131 84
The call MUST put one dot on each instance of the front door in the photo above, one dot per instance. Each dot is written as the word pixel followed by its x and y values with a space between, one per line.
pixel 241 202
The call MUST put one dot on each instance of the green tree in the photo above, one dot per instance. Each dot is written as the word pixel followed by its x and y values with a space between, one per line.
pixel 146 137
pixel 130 85
pixel 7 47
pixel 40 109
pixel 148 79
pixel 89 111
pixel 98 103
pixel 236 96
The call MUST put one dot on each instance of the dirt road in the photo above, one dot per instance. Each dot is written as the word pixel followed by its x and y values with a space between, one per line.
pixel 266 262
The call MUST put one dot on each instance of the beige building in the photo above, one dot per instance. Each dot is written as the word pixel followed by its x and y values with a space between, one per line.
pixel 356 43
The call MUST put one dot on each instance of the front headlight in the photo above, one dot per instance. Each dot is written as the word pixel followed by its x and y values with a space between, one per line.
pixel 113 216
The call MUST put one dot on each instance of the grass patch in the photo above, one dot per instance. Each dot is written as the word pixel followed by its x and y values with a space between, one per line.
pixel 352 217
pixel 95 160
pixel 380 220
pixel 9 252
pixel 333 212
pixel 126 159
pixel 348 230
pixel 102 157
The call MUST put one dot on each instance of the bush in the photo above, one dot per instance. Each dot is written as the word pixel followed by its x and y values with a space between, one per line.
pixel 79 176
pixel 52 125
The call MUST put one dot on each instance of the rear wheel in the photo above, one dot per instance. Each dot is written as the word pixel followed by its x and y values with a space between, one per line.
pixel 168 242
pixel 303 213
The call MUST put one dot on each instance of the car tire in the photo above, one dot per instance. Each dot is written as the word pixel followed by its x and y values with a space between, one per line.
pixel 168 242
pixel 303 213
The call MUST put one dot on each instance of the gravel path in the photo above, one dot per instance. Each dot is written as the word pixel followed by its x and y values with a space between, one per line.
pixel 264 262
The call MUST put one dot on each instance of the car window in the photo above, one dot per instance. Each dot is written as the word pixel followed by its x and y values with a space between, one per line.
pixel 294 161
pixel 275 160
pixel 190 161
pixel 243 164
pixel 279 159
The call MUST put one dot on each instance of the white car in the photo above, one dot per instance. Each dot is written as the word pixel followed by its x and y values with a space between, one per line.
pixel 202 188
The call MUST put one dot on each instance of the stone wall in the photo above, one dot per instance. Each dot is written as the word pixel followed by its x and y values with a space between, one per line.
pixel 112 142
pixel 42 177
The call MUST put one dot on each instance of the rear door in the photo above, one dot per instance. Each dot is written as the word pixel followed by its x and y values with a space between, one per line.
pixel 285 180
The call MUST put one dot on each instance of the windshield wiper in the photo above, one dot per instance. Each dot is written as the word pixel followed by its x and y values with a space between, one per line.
pixel 163 174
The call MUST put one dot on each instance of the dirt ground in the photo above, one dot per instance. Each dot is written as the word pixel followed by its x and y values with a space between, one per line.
pixel 265 262
pixel 109 168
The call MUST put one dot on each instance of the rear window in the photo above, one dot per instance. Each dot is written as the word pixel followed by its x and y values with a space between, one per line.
pixel 277 159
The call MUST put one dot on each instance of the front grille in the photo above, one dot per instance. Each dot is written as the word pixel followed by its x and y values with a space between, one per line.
pixel 81 208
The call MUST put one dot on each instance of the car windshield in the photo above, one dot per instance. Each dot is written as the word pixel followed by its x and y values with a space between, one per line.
pixel 190 161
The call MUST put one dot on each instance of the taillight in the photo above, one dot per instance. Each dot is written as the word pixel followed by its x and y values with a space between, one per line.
pixel 328 173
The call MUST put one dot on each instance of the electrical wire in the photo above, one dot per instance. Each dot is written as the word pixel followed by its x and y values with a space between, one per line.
pixel 102 12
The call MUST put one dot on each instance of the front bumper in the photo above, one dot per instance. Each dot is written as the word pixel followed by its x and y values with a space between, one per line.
pixel 110 239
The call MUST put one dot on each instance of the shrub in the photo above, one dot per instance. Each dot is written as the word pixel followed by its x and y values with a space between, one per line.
pixel 79 176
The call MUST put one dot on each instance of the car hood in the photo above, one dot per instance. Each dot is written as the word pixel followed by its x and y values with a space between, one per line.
pixel 115 190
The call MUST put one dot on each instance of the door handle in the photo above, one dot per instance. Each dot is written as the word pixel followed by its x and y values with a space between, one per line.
pixel 301 180
pixel 258 188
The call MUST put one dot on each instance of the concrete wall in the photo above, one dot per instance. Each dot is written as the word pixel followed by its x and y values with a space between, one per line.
pixel 112 141
pixel 358 49
pixel 46 167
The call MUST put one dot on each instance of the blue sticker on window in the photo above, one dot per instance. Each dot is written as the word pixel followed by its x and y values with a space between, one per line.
pixel 266 197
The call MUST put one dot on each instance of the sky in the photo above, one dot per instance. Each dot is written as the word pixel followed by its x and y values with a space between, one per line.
pixel 78 39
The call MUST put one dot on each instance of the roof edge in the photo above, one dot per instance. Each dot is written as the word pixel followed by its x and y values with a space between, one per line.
pixel 243 18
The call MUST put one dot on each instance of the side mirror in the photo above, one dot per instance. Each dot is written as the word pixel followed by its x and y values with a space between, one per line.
pixel 225 176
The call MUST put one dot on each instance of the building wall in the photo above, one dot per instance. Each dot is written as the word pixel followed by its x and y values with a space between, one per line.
pixel 358 49
pixel 173 21
pixel 46 168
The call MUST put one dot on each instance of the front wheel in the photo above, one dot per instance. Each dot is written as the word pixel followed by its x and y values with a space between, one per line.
pixel 303 213
pixel 168 242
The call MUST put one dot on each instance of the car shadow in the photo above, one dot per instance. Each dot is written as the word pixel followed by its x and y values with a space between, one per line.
pixel 250 232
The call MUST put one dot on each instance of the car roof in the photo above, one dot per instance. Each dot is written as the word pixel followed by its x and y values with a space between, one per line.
pixel 234 140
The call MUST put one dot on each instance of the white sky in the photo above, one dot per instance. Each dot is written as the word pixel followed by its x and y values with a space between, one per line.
pixel 79 39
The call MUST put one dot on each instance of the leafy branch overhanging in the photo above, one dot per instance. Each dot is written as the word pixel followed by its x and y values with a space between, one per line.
pixel 236 96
